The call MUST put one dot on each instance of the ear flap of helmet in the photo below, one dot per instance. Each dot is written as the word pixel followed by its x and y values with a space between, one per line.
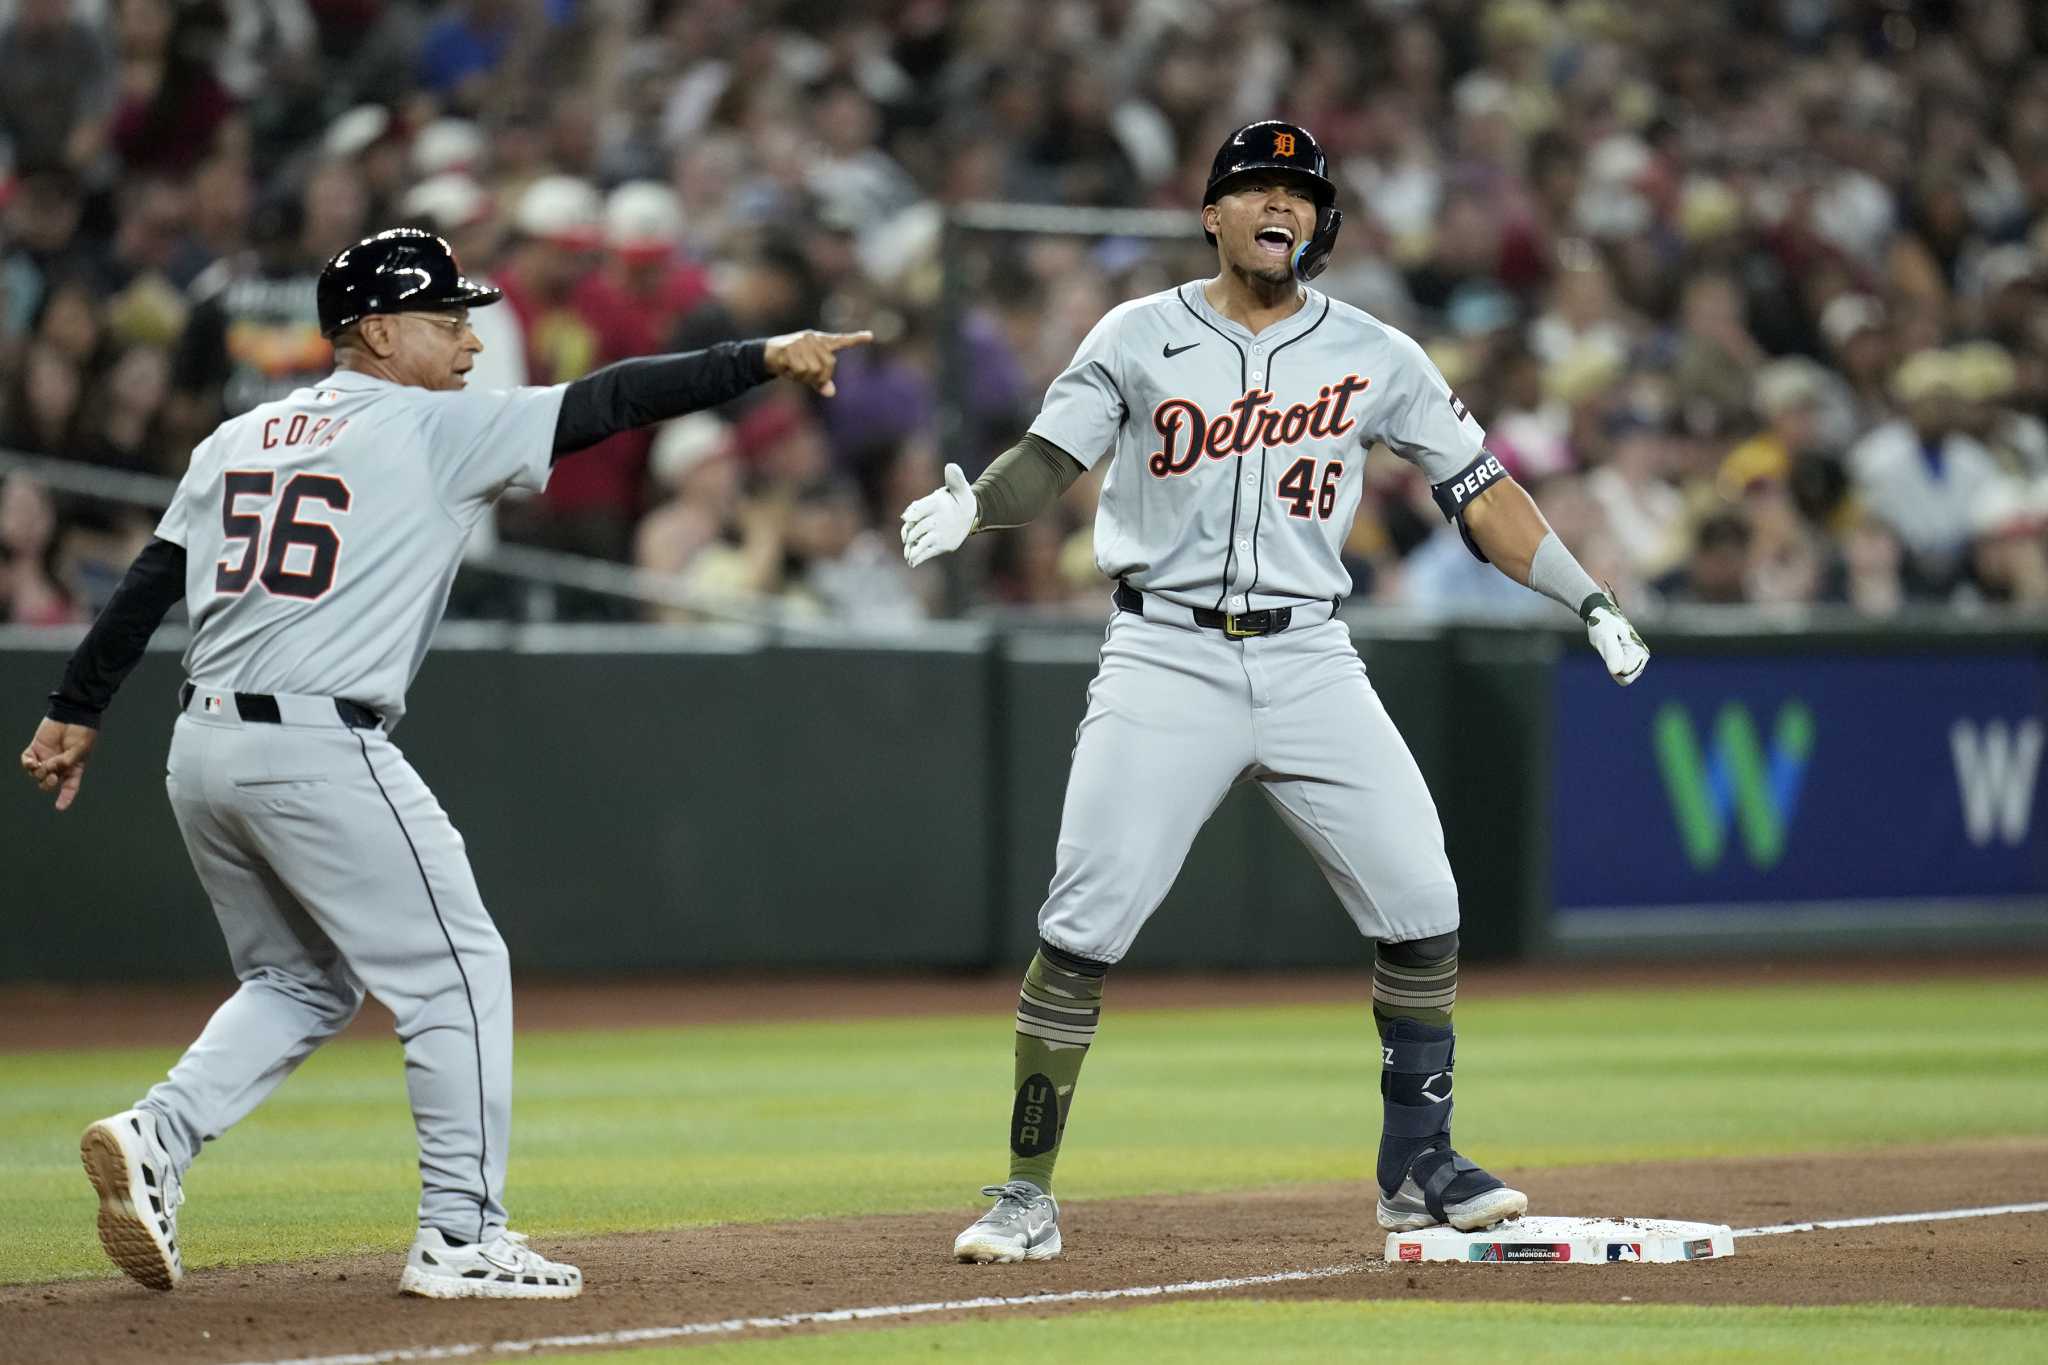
pixel 1312 255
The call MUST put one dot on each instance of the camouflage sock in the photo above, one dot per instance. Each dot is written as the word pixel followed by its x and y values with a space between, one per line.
pixel 1409 985
pixel 1057 1010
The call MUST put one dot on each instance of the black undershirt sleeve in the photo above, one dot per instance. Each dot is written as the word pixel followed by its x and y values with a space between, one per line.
pixel 635 393
pixel 154 583
pixel 1022 482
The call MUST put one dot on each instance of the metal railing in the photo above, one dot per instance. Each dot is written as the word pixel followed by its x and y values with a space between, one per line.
pixel 546 574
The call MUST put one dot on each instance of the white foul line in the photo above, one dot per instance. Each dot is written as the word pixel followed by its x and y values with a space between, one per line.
pixel 1990 1211
pixel 728 1326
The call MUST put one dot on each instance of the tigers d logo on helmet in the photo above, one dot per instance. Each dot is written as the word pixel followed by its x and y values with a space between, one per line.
pixel 1288 147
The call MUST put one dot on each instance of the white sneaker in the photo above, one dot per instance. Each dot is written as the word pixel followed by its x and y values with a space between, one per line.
pixel 1023 1226
pixel 139 1196
pixel 505 1268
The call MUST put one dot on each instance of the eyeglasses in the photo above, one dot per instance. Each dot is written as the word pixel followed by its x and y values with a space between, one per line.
pixel 452 323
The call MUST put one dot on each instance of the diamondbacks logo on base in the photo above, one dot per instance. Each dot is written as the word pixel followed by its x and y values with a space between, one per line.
pixel 1520 1251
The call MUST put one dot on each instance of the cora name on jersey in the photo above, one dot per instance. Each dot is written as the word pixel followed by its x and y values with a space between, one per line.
pixel 1188 433
pixel 302 431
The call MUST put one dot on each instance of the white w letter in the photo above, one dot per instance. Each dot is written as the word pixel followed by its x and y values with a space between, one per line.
pixel 1995 773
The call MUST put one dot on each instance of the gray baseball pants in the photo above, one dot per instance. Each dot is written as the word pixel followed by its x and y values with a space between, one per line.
pixel 1178 715
pixel 334 871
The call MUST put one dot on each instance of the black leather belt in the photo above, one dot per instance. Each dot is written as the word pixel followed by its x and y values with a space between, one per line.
pixel 1244 626
pixel 260 708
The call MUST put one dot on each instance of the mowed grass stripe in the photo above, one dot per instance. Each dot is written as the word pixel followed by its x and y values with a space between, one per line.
pixel 652 1128
pixel 1311 1332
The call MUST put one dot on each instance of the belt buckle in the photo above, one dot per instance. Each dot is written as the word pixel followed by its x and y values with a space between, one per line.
pixel 1230 628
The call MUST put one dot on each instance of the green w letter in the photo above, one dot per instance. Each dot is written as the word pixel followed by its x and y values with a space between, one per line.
pixel 1737 780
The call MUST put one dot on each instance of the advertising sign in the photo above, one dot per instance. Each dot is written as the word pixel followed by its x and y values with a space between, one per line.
pixel 1739 783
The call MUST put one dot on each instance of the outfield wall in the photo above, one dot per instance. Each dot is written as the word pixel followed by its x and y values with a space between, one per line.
pixel 641 798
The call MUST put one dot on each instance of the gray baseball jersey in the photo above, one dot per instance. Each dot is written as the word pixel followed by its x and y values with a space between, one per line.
pixel 1237 460
pixel 1236 469
pixel 322 533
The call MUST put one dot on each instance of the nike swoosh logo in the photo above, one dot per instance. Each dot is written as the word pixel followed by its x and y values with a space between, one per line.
pixel 1171 351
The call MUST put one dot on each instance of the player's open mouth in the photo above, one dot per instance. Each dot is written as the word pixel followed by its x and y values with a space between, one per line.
pixel 1277 240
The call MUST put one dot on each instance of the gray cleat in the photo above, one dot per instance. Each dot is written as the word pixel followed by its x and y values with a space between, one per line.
pixel 1023 1226
pixel 1443 1187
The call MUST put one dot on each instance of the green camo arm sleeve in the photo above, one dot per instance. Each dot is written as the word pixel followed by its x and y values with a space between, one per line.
pixel 1023 481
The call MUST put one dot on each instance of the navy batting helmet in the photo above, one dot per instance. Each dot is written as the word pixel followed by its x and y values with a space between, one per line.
pixel 402 270
pixel 1272 145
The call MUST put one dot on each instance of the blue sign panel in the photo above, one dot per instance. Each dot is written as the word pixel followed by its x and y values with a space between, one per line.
pixel 1776 780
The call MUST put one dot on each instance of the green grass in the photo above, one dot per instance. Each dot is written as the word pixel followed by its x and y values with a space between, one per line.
pixel 742 1123
pixel 1512 1333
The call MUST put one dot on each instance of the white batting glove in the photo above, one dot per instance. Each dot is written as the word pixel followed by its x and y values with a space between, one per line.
pixel 1620 647
pixel 937 522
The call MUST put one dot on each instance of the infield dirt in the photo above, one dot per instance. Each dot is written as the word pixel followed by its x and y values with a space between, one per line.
pixel 326 1307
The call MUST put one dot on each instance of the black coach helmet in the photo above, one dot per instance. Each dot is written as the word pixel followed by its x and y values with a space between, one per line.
pixel 400 270
pixel 1274 145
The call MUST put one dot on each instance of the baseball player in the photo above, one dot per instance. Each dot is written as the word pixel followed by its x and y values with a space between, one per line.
pixel 1236 413
pixel 313 541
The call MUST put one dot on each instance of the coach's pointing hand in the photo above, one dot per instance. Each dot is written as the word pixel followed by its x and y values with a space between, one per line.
pixel 808 357
pixel 937 522
pixel 55 759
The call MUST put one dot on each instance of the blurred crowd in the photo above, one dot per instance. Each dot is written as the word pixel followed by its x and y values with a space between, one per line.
pixel 1753 295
